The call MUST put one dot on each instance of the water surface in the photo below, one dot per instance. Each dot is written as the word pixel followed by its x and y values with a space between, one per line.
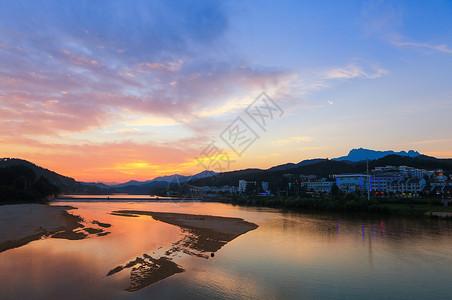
pixel 290 256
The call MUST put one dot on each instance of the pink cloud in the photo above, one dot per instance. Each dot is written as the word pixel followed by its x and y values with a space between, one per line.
pixel 112 161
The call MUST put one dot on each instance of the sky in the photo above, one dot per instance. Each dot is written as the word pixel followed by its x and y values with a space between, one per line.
pixel 111 91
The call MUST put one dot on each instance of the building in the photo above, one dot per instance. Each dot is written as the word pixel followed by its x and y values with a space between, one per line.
pixel 385 169
pixel 242 186
pixel 441 178
pixel 380 184
pixel 439 186
pixel 402 171
pixel 352 182
pixel 318 186
pixel 211 191
pixel 413 186
pixel 264 186
pixel 376 184
pixel 307 177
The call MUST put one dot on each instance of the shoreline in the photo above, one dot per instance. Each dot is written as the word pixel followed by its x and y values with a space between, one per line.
pixel 31 222
pixel 25 223
pixel 374 207
pixel 202 234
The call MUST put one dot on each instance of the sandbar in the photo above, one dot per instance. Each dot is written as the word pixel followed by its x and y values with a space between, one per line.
pixel 203 234
pixel 21 224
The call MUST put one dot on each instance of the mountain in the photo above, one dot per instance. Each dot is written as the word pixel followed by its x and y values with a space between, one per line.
pixel 203 174
pixel 143 187
pixel 18 184
pixel 139 189
pixel 310 161
pixel 66 185
pixel 63 182
pixel 128 183
pixel 282 167
pixel 289 166
pixel 356 155
pixel 169 178
pixel 96 184
pixel 322 168
pixel 182 178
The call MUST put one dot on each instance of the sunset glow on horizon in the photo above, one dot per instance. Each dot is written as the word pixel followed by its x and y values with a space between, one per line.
pixel 113 91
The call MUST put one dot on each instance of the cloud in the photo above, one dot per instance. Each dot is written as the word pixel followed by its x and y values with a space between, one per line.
pixel 385 18
pixel 381 17
pixel 166 66
pixel 90 67
pixel 294 139
pixel 309 148
pixel 441 48
pixel 150 121
pixel 434 141
pixel 129 60
pixel 132 61
pixel 147 30
pixel 124 159
pixel 439 154
pixel 354 71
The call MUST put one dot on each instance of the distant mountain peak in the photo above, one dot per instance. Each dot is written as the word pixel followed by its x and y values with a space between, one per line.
pixel 168 178
pixel 361 154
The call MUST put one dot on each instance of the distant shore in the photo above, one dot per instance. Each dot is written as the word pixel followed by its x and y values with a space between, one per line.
pixel 414 207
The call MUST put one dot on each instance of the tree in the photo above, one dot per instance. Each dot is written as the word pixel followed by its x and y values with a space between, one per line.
pixel 335 190
pixel 44 188
pixel 18 184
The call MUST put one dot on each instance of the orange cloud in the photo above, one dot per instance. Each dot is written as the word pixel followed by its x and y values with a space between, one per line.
pixel 121 161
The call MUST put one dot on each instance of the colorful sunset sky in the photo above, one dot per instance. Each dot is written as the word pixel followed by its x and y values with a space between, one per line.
pixel 117 90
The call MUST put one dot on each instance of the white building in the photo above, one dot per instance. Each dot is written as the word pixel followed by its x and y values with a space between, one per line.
pixel 385 169
pixel 380 184
pixel 402 171
pixel 406 185
pixel 400 184
pixel 242 186
pixel 352 182
pixel 318 186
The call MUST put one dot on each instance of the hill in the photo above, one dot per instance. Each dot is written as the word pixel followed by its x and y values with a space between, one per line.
pixel 19 184
pixel 61 181
pixel 292 165
pixel 66 185
pixel 169 178
pixel 158 183
pixel 322 169
pixel 356 155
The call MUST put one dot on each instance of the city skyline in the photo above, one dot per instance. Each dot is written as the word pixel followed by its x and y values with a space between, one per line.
pixel 108 91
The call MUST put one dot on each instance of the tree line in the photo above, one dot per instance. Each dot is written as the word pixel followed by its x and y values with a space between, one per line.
pixel 18 184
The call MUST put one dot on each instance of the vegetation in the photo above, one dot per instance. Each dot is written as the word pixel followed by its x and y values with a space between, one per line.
pixel 322 169
pixel 18 184
pixel 347 202
pixel 66 185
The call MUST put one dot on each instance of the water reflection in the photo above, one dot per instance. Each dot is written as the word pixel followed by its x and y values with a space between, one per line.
pixel 290 255
pixel 201 234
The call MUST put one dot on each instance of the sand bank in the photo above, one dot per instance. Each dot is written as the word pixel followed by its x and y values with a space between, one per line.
pixel 23 223
pixel 202 234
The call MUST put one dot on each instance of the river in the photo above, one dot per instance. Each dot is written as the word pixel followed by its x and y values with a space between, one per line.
pixel 289 256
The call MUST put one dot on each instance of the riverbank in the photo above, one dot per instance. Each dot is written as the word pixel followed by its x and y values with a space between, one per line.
pixel 23 223
pixel 381 206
